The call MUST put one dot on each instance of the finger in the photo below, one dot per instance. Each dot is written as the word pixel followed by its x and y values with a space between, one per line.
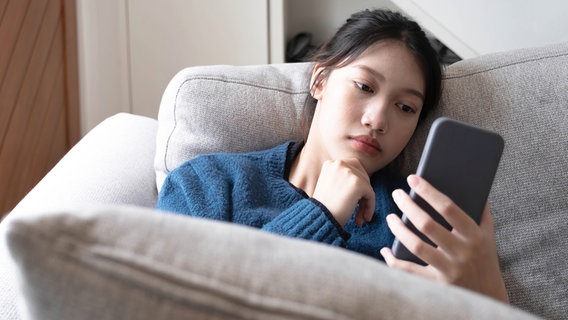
pixel 424 222
pixel 366 208
pixel 414 243
pixel 366 203
pixel 357 168
pixel 359 219
pixel 444 239
pixel 395 263
pixel 453 214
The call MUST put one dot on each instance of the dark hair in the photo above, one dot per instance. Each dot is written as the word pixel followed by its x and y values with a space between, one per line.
pixel 362 30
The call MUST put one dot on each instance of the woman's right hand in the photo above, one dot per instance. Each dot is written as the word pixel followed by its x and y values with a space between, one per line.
pixel 342 185
pixel 465 256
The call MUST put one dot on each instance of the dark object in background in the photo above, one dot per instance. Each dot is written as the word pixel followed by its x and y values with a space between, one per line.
pixel 445 55
pixel 300 47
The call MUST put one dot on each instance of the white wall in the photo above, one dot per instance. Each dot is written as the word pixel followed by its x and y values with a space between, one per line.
pixel 103 60
pixel 472 28
pixel 130 49
pixel 168 35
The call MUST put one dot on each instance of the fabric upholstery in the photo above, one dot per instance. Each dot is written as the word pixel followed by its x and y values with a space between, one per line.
pixel 113 163
pixel 523 96
pixel 92 264
pixel 222 108
pixel 8 285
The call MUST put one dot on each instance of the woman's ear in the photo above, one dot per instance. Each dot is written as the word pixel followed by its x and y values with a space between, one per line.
pixel 317 82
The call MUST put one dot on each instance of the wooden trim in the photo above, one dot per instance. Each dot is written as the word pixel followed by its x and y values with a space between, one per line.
pixel 39 92
pixel 71 72
pixel 10 29
pixel 3 5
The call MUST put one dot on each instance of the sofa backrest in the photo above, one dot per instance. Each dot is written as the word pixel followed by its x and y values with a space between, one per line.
pixel 522 94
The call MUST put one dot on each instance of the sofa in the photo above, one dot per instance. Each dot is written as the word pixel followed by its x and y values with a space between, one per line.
pixel 86 243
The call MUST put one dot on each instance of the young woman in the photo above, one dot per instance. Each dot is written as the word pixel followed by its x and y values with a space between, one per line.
pixel 372 83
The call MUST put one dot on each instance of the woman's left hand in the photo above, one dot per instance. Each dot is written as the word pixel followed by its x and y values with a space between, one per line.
pixel 465 256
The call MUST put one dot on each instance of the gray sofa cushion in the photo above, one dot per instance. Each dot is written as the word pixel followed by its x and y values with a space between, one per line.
pixel 131 263
pixel 229 109
pixel 521 94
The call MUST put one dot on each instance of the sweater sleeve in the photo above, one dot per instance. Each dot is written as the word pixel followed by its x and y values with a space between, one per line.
pixel 186 192
pixel 172 197
pixel 307 219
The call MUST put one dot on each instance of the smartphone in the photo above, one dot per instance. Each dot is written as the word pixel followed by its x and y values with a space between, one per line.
pixel 461 161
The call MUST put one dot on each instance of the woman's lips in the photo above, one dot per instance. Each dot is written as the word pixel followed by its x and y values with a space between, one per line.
pixel 366 144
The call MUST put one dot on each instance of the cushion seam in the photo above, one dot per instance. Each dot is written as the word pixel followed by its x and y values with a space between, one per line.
pixel 243 82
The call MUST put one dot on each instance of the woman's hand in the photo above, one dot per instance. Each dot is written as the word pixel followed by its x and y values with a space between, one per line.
pixel 465 256
pixel 342 185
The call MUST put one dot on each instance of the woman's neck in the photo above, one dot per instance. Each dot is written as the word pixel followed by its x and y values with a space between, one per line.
pixel 305 170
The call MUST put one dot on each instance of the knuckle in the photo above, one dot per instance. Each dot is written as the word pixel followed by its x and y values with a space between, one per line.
pixel 420 249
pixel 453 276
pixel 458 274
pixel 446 206
pixel 426 226
pixel 332 163
pixel 399 264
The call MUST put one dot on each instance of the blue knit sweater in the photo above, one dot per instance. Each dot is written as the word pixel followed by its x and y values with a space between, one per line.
pixel 252 189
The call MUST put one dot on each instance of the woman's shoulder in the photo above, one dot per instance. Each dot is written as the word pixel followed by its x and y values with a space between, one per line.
pixel 237 162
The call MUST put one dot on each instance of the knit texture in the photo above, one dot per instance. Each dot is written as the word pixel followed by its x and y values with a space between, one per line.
pixel 251 189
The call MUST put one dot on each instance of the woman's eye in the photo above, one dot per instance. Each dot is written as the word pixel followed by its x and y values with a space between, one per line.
pixel 405 108
pixel 364 87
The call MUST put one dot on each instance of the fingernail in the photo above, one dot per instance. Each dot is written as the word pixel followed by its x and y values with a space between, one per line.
pixel 413 181
pixel 396 193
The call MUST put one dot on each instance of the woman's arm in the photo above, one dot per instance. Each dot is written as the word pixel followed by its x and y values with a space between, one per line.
pixel 342 187
pixel 186 192
pixel 308 219
pixel 465 256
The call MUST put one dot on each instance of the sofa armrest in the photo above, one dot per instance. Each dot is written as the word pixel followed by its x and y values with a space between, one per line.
pixel 112 164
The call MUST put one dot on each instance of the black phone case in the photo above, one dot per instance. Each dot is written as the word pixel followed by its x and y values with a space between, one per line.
pixel 461 161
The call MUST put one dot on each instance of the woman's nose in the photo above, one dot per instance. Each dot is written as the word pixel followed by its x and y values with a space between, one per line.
pixel 376 118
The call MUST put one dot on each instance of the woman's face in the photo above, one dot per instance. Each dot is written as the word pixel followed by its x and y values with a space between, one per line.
pixel 369 108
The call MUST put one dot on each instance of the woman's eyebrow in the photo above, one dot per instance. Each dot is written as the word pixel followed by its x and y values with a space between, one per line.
pixel 414 92
pixel 372 71
pixel 380 76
